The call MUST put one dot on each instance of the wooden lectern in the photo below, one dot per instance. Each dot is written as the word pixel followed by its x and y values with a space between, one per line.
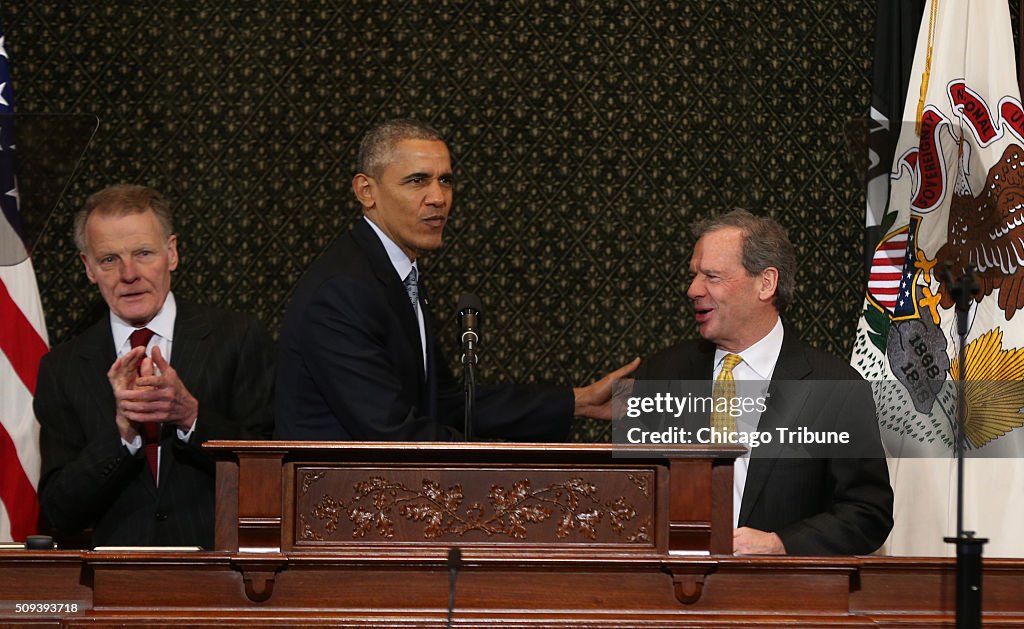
pixel 319 497
pixel 361 534
pixel 513 504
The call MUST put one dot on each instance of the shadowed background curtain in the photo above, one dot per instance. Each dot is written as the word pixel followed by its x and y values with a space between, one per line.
pixel 587 137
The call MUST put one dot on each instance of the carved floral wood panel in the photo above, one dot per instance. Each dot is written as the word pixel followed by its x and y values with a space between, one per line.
pixel 446 505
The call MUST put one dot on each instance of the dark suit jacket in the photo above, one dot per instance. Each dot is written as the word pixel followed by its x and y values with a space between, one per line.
pixel 350 365
pixel 90 480
pixel 840 503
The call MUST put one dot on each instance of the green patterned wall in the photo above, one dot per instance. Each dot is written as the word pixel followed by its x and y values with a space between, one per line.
pixel 587 137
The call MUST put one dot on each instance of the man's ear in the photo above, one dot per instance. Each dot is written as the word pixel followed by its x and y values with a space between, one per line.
pixel 769 284
pixel 172 252
pixel 88 268
pixel 365 189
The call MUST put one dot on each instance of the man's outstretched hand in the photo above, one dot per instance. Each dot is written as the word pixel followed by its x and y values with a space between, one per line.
pixel 595 400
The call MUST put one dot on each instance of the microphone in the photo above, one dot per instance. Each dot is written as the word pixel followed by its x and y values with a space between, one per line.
pixel 469 310
pixel 469 324
pixel 454 563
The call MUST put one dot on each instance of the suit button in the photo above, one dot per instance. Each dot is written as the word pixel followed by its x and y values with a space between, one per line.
pixel 161 516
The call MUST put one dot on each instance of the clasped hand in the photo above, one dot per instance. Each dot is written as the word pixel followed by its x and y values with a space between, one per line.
pixel 148 390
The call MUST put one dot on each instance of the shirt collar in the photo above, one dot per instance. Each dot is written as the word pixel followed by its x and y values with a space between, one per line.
pixel 399 260
pixel 762 355
pixel 162 324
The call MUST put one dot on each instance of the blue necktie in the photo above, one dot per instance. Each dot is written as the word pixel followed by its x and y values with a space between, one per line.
pixel 412 288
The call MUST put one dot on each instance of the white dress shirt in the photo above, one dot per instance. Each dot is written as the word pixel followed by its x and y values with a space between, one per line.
pixel 752 377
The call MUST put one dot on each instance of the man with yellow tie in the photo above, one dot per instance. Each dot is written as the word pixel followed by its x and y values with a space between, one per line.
pixel 742 277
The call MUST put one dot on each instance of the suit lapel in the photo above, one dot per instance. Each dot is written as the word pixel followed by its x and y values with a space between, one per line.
pixel 783 410
pixel 701 364
pixel 398 299
pixel 190 349
pixel 98 354
pixel 430 376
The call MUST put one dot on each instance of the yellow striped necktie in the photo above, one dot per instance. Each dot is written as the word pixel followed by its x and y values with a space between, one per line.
pixel 725 387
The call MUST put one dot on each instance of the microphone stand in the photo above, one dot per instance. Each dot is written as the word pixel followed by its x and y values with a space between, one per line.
pixel 968 547
pixel 469 381
pixel 454 563
pixel 469 321
pixel 469 340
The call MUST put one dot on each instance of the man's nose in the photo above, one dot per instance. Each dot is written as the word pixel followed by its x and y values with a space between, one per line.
pixel 436 193
pixel 696 288
pixel 129 271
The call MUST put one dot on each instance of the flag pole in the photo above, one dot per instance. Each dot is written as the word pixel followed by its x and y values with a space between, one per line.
pixel 968 547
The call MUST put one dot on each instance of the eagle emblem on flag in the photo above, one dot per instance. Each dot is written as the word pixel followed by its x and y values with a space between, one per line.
pixel 908 336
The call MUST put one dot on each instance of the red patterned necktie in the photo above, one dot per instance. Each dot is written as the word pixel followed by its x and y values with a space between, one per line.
pixel 150 430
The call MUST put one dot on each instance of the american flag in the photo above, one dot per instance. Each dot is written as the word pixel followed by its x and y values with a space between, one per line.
pixel 905 305
pixel 23 342
pixel 888 283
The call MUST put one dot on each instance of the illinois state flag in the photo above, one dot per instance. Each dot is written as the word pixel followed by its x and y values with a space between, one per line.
pixel 956 201
pixel 22 343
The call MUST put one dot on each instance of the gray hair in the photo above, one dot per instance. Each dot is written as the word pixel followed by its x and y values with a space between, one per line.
pixel 765 244
pixel 376 146
pixel 120 200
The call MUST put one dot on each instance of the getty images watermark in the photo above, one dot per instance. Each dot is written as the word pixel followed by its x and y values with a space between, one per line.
pixel 783 419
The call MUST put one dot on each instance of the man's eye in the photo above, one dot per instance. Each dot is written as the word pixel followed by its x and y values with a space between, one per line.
pixel 107 260
pixel 446 181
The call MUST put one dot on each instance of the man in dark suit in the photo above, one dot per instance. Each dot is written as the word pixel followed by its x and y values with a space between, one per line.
pixel 125 407
pixel 358 359
pixel 742 276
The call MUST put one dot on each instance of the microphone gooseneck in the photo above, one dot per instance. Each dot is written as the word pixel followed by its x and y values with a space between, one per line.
pixel 470 316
